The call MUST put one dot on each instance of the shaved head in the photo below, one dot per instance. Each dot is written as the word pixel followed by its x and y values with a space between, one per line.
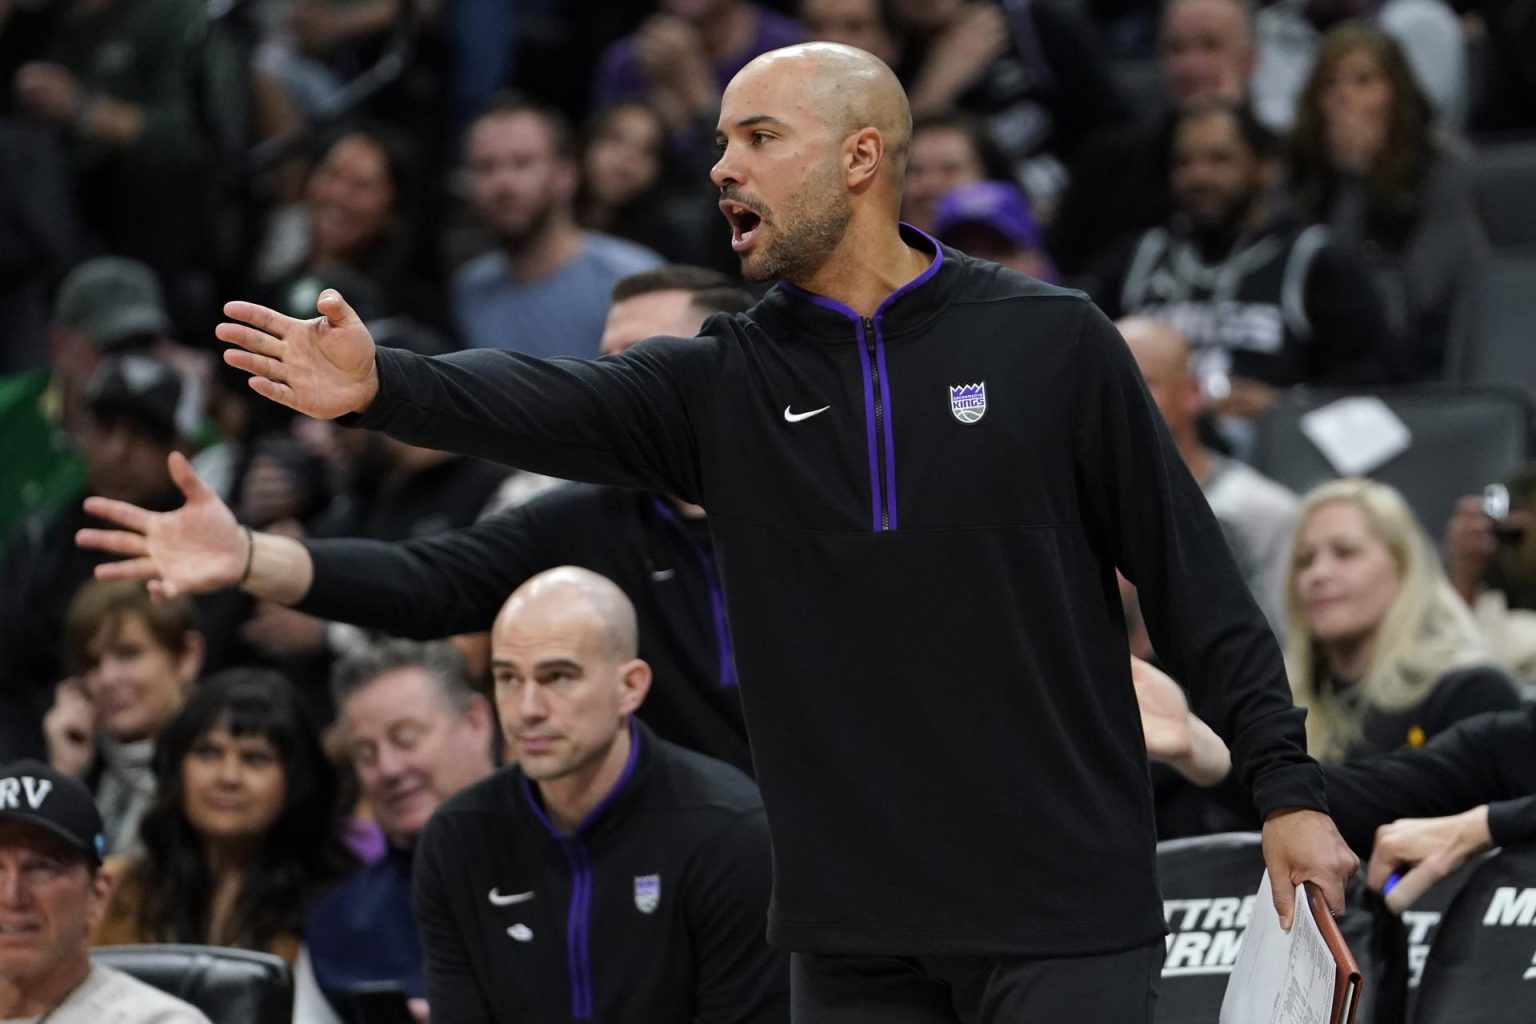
pixel 1157 345
pixel 847 88
pixel 1162 354
pixel 814 142
pixel 570 595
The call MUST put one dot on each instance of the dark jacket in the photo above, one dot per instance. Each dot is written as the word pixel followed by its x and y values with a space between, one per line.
pixel 1458 694
pixel 1282 305
pixel 651 910
pixel 918 517
pixel 1486 759
pixel 455 582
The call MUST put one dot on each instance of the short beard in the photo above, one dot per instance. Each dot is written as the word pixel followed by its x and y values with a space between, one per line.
pixel 806 236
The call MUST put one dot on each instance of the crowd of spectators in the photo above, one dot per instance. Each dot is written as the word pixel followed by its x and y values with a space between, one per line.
pixel 1266 197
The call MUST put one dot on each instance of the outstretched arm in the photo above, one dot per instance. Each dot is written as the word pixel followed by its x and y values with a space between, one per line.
pixel 635 419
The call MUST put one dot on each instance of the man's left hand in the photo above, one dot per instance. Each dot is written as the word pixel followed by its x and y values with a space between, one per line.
pixel 1303 845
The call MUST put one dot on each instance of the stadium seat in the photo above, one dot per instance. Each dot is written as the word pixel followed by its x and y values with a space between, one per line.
pixel 1463 438
pixel 230 986
pixel 1505 181
pixel 1493 327
pixel 1421 922
pixel 1482 965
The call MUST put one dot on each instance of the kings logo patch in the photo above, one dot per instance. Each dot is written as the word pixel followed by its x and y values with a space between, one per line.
pixel 647 892
pixel 968 401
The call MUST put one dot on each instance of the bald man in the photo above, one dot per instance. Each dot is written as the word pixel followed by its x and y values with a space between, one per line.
pixel 921 471
pixel 608 875
pixel 1257 514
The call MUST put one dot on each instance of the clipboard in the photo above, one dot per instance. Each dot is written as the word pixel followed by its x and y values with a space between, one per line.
pixel 1346 978
pixel 1304 976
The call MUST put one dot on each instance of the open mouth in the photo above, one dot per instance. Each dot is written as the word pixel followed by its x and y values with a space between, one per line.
pixel 744 224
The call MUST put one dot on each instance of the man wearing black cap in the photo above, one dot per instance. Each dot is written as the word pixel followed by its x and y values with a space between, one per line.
pixel 105 306
pixel 52 892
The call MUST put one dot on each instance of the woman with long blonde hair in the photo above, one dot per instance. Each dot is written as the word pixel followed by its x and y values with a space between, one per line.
pixel 1381 650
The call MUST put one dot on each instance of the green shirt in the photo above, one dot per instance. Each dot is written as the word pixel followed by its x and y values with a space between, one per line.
pixel 40 469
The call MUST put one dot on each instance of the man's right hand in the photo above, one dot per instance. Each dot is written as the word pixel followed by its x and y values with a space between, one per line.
pixel 192 550
pixel 322 367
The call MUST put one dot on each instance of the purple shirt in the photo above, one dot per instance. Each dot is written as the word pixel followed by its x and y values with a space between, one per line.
pixel 620 76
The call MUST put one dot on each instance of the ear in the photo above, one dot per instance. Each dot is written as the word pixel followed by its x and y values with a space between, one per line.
pixel 478 716
pixel 190 664
pixel 635 678
pixel 1194 398
pixel 864 158
pixel 102 884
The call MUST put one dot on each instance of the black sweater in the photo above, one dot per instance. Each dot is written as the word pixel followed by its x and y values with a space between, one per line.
pixel 651 910
pixel 927 625
pixel 1486 759
pixel 455 582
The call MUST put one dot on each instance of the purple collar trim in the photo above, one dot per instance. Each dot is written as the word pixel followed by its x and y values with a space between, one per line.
pixel 915 283
pixel 602 805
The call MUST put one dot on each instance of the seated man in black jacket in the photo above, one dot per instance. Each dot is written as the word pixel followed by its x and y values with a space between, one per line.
pixel 1420 812
pixel 608 875
pixel 1265 301
pixel 657 549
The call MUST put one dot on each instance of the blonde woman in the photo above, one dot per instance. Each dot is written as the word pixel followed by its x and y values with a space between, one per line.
pixel 1381 651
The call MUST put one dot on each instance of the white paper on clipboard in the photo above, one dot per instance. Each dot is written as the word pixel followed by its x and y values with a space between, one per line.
pixel 1280 977
pixel 1356 435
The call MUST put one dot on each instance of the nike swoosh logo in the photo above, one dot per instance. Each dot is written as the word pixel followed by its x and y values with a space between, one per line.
pixel 662 575
pixel 498 900
pixel 796 417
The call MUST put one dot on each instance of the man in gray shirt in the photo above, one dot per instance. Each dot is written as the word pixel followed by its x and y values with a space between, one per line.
pixel 53 890
pixel 544 269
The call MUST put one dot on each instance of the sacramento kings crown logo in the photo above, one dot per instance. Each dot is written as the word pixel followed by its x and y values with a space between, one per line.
pixel 968 401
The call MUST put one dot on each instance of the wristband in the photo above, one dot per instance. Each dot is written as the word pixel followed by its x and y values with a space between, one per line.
pixel 250 554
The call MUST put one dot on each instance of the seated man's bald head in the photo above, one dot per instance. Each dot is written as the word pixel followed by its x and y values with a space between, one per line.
pixel 570 591
pixel 848 87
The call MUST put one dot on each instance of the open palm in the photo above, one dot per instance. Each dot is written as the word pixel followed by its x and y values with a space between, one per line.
pixel 322 367
pixel 192 550
pixel 1164 712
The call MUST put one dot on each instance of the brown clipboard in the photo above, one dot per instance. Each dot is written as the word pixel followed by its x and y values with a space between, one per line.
pixel 1346 970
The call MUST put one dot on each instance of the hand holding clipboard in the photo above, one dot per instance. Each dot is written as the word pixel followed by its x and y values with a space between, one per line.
pixel 1304 976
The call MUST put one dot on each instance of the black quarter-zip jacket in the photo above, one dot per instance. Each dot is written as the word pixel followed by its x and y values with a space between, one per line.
pixel 651 910
pixel 918 517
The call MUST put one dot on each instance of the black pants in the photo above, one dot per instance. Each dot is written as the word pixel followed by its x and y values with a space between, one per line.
pixel 1112 988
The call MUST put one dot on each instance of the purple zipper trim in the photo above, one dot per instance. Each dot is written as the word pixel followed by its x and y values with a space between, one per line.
pixel 869 424
pixel 578 916
pixel 890 443
pixel 725 647
pixel 886 501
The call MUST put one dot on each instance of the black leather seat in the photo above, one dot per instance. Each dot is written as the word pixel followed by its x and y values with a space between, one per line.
pixel 1463 438
pixel 1482 965
pixel 230 986
pixel 1504 181
pixel 1208 885
pixel 1493 328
